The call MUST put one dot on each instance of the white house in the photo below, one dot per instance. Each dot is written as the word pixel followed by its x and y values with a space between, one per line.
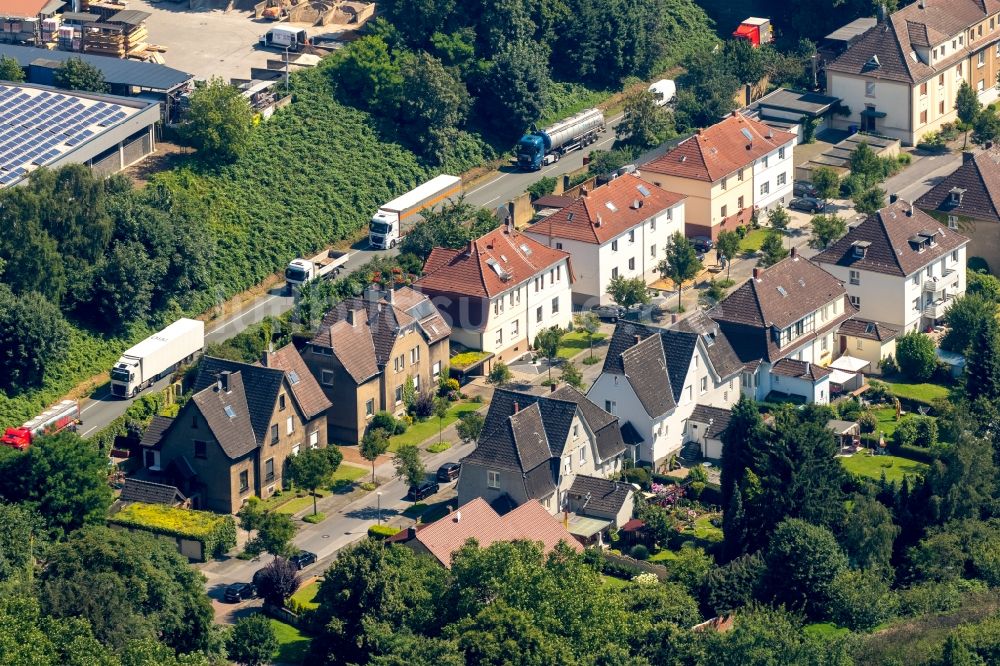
pixel 783 324
pixel 773 175
pixel 654 378
pixel 900 266
pixel 620 228
pixel 500 291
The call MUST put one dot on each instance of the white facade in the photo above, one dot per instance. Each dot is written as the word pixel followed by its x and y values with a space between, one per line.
pixel 773 176
pixel 633 253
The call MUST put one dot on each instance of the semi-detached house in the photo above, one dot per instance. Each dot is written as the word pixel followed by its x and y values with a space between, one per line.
pixel 500 291
pixel 725 172
pixel 619 229
pixel 901 77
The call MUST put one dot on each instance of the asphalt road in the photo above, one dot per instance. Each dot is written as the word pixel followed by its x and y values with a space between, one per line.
pixel 102 408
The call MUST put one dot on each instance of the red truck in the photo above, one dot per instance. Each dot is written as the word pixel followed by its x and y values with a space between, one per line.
pixel 63 416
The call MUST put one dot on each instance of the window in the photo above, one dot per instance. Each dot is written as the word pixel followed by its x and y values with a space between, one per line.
pixel 981 86
pixel 436 369
pixel 536 285
pixel 295 450
pixel 954 256
pixel 614 272
pixel 739 203
pixel 492 479
pixel 399 394
pixel 856 301
pixel 782 178
pixel 652 250
pixel 514 329
pixel 690 393
pixel 497 306
pixel 244 481
pixel 583 454
pixel 823 343
pixel 765 187
pixel 281 402
pixel 269 469
pixel 855 277
pixel 781 153
pixel 610 406
pixel 916 279
pixel 370 407
pixel 400 361
pixel 765 161
pixel 825 313
pixel 555 305
pixel 558 246
pixel 941 107
pixel 958 71
pixel 568 465
pixel 499 337
pixel 723 211
pixel 923 89
pixel 923 117
pixel 552 277
pixel 326 377
pixel 631 264
pixel 859 344
pixel 558 273
pixel 631 236
pixel 704 385
pixel 200 449
pixel 652 224
pixel 940 79
pixel 982 57
pixel 414 355
pixel 916 303
pixel 869 88
pixel 614 246
pixel 314 439
pixel 930 271
pixel 290 425
pixel 274 433
pixel 953 221
pixel 538 315
pixel 416 383
pixel 576 431
pixel 723 183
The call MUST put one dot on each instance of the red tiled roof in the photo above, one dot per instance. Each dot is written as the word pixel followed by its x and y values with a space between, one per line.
pixel 477 520
pixel 22 8
pixel 978 178
pixel 720 150
pixel 590 219
pixel 476 270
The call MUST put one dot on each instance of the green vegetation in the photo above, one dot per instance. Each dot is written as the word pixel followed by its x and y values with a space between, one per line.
pixel 466 359
pixel 923 392
pixel 75 74
pixel 826 631
pixel 219 122
pixel 217 533
pixel 293 645
pixel 422 431
pixel 438 447
pixel 753 240
pixel 345 476
pixel 895 468
pixel 573 343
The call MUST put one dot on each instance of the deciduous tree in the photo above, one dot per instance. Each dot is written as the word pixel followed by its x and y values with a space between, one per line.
pixel 589 323
pixel 802 562
pixel 75 74
pixel 868 534
pixel 34 337
pixel 628 292
pixel 11 70
pixel 219 122
pixel 408 465
pixel 274 532
pixel 547 343
pixel 433 103
pixel 772 249
pixel 869 200
pixel 727 245
pixel 515 87
pixel 500 375
pixel 364 72
pixel 826 181
pixel 779 219
pixel 470 427
pixel 916 356
pixel 680 264
pixel 252 641
pixel 967 105
pixel 374 443
pixel 572 375
pixel 312 468
pixel 441 411
pixel 278 581
pixel 645 123
pixel 965 316
pixel 826 229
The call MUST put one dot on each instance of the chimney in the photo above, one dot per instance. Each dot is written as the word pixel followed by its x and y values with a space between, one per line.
pixel 893 198
pixel 506 226
pixel 808 367
pixel 472 247
pixel 517 407
pixel 988 145
pixel 552 387
pixel 756 272
pixel 584 192
pixel 350 317
pixel 909 210
pixel 968 157
pixel 698 131
pixel 390 294
pixel 673 317
pixel 638 339
pixel 794 252
pixel 735 114
pixel 458 516
pixel 224 381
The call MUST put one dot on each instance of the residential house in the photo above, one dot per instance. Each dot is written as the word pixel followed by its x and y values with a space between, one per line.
pixel 366 351
pixel 782 324
pixel 869 341
pixel 704 430
pixel 500 291
pixel 900 266
pixel 968 200
pixel 726 171
pixel 476 520
pixel 539 447
pixel 654 378
pixel 233 438
pixel 901 77
pixel 620 229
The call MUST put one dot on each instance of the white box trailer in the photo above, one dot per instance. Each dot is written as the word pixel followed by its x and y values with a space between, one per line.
pixel 385 229
pixel 284 37
pixel 157 356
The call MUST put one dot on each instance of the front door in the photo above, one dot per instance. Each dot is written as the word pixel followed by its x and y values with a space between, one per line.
pixel 868 119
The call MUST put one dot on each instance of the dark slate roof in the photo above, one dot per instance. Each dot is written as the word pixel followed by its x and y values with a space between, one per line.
pixel 153 436
pixel 978 178
pixel 869 330
pixel 606 497
pixel 607 433
pixel 539 482
pixel 630 434
pixel 116 71
pixel 889 247
pixel 528 431
pixel 678 347
pixel 137 490
pixel 721 355
pixel 791 367
pixel 716 418
pixel 252 397
pixel 497 445
pixel 646 371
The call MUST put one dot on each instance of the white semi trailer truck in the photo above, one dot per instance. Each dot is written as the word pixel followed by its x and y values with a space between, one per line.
pixel 391 220
pixel 156 357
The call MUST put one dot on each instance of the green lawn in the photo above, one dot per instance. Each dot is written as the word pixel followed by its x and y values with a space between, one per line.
pixel 705 530
pixel 575 342
pixel 418 432
pixel 292 645
pixel 753 240
pixel 827 631
pixel 895 467
pixel 887 423
pixel 925 392
pixel 307 594
pixel 345 476
pixel 664 555
pixel 615 583
pixel 297 504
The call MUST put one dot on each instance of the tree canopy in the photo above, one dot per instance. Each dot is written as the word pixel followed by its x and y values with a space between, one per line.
pixel 75 74
pixel 219 121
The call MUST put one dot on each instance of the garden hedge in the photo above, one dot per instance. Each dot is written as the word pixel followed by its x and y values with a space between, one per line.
pixel 215 532
pixel 381 532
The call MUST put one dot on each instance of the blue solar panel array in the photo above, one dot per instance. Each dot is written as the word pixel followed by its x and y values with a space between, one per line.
pixel 35 129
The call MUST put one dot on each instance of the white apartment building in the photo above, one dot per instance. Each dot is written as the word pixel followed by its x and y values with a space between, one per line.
pixel 773 175
pixel 618 229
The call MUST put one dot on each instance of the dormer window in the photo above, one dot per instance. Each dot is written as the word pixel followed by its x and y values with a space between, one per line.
pixel 955 196
pixel 860 248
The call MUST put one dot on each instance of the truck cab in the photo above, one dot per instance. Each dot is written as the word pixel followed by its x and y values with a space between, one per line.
pixel 123 382
pixel 530 152
pixel 299 271
pixel 17 438
pixel 383 232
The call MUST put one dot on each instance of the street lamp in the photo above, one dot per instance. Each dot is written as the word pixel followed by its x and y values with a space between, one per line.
pixel 378 499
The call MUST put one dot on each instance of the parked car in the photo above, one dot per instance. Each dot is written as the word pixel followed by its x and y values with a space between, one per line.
pixel 610 313
pixel 642 312
pixel 803 188
pixel 807 204
pixel 702 244
pixel 448 472
pixel 238 592
pixel 302 559
pixel 423 490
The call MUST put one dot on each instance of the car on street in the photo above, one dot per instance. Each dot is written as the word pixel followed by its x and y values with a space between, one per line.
pixel 238 592
pixel 610 313
pixel 302 559
pixel 702 244
pixel 807 204
pixel 423 490
pixel 803 188
pixel 448 472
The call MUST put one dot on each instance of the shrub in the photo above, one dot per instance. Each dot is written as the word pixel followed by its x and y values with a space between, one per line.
pixel 695 489
pixel 861 600
pixel 849 410
pixel 382 532
pixel 868 421
pixel 878 392
pixel 932 141
pixel 916 356
pixel 423 406
pixel 918 431
pixel 314 518
pixel 216 533
pixel 639 552
pixel 639 475
pixel 384 421
pixel 888 365
pixel 698 473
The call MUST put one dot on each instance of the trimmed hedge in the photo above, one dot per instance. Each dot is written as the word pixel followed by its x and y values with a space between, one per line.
pixel 381 532
pixel 215 532
pixel 913 452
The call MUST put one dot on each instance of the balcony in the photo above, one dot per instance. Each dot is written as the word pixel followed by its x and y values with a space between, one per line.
pixel 947 281
pixel 936 309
